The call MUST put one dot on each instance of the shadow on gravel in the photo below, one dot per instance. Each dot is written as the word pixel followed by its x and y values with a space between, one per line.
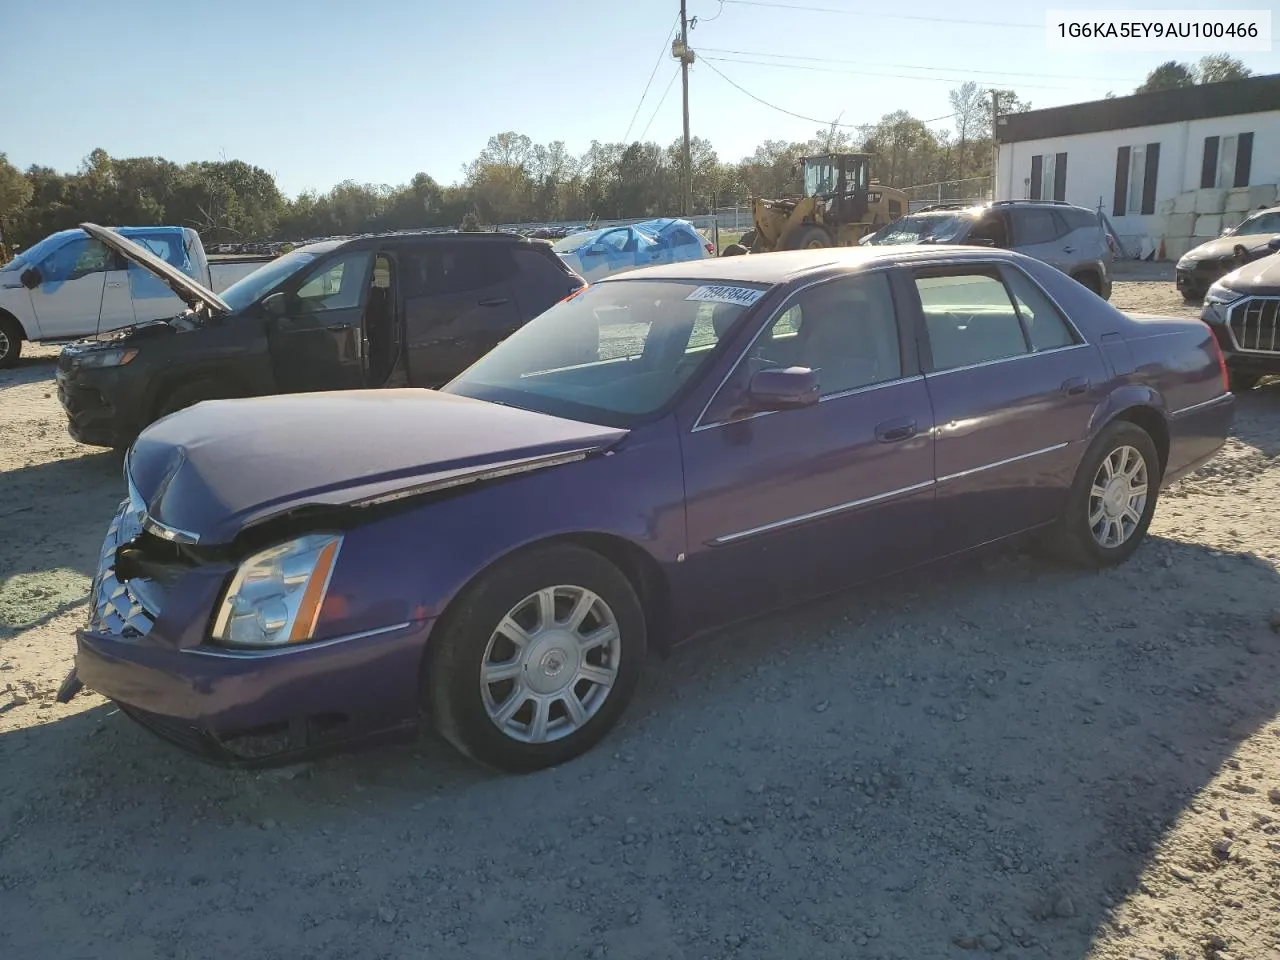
pixel 29 370
pixel 53 517
pixel 977 757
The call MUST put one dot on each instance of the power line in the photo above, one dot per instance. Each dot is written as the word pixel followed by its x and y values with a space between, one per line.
pixel 661 101
pixel 867 73
pixel 885 16
pixel 661 54
pixel 913 66
pixel 792 113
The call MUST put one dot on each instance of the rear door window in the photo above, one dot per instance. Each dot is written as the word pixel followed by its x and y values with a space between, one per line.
pixel 1036 226
pixel 970 319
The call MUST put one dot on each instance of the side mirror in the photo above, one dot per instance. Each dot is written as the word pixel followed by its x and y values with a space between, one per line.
pixel 276 305
pixel 783 389
pixel 1274 244
pixel 596 249
pixel 30 278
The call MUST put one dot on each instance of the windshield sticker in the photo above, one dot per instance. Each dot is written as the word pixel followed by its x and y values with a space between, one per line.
pixel 743 296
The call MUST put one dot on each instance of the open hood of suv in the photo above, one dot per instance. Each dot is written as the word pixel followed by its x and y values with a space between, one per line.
pixel 190 292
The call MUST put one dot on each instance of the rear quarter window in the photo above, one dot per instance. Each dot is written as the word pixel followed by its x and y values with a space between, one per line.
pixel 1080 219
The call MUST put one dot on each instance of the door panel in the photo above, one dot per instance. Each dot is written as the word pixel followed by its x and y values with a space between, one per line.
pixel 458 307
pixel 68 301
pixel 1041 233
pixel 793 504
pixel 117 302
pixel 316 345
pixel 1013 390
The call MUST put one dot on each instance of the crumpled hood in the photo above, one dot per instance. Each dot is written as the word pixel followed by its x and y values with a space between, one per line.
pixel 1223 248
pixel 205 473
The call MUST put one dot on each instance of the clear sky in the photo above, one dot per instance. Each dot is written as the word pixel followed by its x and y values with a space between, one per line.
pixel 320 91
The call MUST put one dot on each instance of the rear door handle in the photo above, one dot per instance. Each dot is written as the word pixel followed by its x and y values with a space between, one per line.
pixel 1068 249
pixel 1075 386
pixel 895 431
pixel 340 326
pixel 493 302
pixel 114 283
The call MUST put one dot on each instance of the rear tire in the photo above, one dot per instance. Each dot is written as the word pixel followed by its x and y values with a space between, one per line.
pixel 1242 382
pixel 748 239
pixel 189 394
pixel 811 237
pixel 1089 281
pixel 1105 520
pixel 538 702
pixel 11 337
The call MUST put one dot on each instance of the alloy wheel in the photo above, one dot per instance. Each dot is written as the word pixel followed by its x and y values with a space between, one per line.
pixel 1118 497
pixel 551 664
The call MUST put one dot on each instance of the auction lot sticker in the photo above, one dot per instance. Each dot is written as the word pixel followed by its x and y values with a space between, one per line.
pixel 1174 31
pixel 717 293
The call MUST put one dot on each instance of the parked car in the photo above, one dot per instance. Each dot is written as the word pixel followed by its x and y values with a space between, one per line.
pixel 601 253
pixel 1243 310
pixel 70 285
pixel 1196 272
pixel 661 454
pixel 1065 236
pixel 411 309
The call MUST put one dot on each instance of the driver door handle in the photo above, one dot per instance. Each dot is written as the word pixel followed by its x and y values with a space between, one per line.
pixel 895 431
pixel 1068 249
pixel 340 326
pixel 114 283
pixel 1075 386
pixel 493 302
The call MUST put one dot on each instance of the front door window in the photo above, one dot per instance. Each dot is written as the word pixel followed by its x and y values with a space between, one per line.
pixel 336 284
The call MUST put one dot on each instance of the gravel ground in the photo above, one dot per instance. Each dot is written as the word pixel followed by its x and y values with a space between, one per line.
pixel 1002 756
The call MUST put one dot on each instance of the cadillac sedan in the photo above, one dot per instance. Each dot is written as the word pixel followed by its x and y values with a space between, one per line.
pixel 656 456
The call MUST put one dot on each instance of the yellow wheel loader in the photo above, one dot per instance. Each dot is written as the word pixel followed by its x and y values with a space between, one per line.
pixel 840 206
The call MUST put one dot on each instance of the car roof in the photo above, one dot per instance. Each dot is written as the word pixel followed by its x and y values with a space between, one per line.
pixel 788 265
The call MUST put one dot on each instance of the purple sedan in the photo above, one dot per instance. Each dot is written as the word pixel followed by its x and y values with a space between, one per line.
pixel 659 455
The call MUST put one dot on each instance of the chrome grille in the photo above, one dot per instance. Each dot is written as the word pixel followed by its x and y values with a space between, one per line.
pixel 121 609
pixel 1253 322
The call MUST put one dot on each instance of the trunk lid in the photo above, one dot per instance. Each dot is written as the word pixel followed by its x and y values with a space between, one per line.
pixel 205 473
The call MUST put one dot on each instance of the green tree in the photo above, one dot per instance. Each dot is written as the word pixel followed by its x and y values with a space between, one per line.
pixel 15 192
pixel 1218 67
pixel 1170 75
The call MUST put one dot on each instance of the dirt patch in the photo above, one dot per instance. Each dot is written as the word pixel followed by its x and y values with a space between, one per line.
pixel 1002 756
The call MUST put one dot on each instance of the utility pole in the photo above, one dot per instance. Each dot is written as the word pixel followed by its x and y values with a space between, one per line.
pixel 680 50
pixel 995 145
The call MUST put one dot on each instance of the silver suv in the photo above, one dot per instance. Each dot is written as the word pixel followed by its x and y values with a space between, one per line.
pixel 1061 234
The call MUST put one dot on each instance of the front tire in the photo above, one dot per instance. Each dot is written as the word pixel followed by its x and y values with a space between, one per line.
pixel 1089 280
pixel 537 659
pixel 11 337
pixel 811 237
pixel 1112 499
pixel 189 394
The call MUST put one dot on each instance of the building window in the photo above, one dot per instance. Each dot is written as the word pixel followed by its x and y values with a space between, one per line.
pixel 1049 176
pixel 1137 169
pixel 1228 161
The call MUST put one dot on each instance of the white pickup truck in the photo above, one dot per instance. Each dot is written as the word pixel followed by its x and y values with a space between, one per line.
pixel 69 286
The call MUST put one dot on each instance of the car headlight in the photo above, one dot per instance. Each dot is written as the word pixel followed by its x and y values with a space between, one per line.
pixel 1220 294
pixel 106 358
pixel 275 596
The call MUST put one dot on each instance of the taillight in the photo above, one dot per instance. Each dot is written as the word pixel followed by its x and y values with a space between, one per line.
pixel 574 293
pixel 711 248
pixel 1222 360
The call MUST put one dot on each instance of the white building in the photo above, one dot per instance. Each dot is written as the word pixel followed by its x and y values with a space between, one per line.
pixel 1136 158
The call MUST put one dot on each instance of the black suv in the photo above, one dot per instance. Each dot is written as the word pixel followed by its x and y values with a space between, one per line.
pixel 410 309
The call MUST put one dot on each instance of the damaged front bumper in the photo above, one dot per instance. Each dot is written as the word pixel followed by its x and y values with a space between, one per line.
pixel 144 648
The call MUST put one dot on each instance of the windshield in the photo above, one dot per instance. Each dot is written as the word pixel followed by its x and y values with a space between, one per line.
pixel 819 178
pixel 573 242
pixel 1262 223
pixel 249 288
pixel 613 354
pixel 921 228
